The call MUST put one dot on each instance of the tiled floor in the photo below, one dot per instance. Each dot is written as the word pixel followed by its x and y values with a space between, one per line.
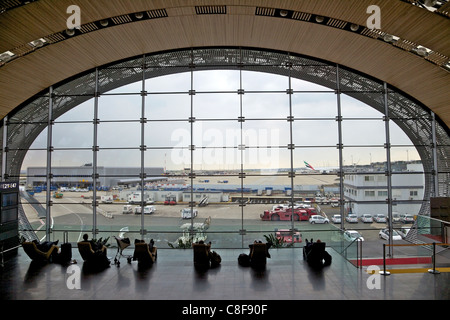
pixel 173 277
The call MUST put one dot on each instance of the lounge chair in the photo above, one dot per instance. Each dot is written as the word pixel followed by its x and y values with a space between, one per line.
pixel 94 258
pixel 315 254
pixel 258 255
pixel 36 254
pixel 143 254
pixel 202 255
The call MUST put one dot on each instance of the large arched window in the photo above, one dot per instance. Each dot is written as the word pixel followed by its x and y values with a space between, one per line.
pixel 228 134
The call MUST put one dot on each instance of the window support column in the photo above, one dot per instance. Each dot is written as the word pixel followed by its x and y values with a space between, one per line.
pixel 49 166
pixel 4 146
pixel 388 166
pixel 291 146
pixel 434 172
pixel 340 147
pixel 143 149
pixel 95 150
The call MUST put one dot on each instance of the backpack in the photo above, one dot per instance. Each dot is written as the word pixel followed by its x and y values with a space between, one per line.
pixel 244 260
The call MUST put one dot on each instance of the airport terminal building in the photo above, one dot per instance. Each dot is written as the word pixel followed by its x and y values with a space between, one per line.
pixel 81 177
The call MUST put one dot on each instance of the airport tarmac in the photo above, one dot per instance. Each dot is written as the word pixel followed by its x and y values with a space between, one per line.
pixel 73 213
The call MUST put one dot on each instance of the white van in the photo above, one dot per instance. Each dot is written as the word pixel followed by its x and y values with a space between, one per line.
pixel 186 213
pixel 147 209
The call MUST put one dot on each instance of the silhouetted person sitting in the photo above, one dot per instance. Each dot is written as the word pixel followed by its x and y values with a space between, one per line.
pixel 315 253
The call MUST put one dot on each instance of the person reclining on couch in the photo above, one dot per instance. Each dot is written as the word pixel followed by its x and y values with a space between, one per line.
pixel 45 245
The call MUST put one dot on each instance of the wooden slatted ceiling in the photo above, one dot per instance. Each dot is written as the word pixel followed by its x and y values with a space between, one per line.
pixel 45 17
pixel 24 77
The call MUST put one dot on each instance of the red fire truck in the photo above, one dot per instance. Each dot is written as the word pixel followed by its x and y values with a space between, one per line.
pixel 300 214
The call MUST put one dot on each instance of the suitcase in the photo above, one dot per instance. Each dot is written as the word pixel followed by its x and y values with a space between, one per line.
pixel 66 253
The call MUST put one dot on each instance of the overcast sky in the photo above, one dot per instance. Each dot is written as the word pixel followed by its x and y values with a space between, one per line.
pixel 363 139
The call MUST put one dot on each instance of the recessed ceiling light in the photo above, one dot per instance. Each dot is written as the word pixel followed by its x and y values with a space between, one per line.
pixel 354 27
pixel 38 43
pixel 320 19
pixel 6 56
pixel 70 32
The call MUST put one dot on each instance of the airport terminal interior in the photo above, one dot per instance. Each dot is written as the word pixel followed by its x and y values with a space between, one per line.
pixel 321 129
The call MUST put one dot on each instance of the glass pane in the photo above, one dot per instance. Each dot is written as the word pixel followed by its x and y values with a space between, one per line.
pixel 217 106
pixel 314 105
pixel 168 106
pixel 119 107
pixel 119 134
pixel 315 133
pixel 265 105
pixel 72 135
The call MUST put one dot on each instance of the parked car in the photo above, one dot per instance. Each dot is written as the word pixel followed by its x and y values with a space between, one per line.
pixel 403 231
pixel 380 218
pixel 352 235
pixel 395 217
pixel 367 218
pixel 406 218
pixel 336 218
pixel 351 218
pixel 384 234
pixel 318 219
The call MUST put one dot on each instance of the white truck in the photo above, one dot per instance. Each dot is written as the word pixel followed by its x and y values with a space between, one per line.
pixel 107 199
pixel 127 209
pixel 188 213
pixel 147 210
pixel 135 198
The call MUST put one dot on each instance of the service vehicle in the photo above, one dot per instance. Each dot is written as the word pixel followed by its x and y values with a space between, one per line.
pixel 406 218
pixel 367 218
pixel 380 218
pixel 384 234
pixel 289 235
pixel 300 214
pixel 187 213
pixel 395 217
pixel 127 209
pixel 147 210
pixel 352 235
pixel 351 218
pixel 318 219
pixel 403 231
pixel 334 203
pixel 107 199
pixel 336 218
pixel 170 200
pixel 135 198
